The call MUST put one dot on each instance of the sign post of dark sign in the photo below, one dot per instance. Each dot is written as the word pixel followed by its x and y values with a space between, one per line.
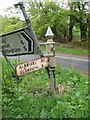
pixel 31 31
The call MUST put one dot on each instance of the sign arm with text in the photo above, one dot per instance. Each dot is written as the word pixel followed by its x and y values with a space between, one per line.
pixel 31 66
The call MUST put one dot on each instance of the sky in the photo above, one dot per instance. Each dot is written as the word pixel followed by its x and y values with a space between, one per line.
pixel 9 3
pixel 5 4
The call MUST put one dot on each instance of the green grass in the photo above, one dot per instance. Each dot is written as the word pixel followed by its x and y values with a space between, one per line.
pixel 73 51
pixel 29 97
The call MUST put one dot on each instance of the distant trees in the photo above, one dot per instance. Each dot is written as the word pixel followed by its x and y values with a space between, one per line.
pixel 62 21
pixel 49 14
pixel 10 24
pixel 78 16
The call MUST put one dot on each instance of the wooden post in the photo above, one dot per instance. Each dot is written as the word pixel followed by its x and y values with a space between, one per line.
pixel 50 52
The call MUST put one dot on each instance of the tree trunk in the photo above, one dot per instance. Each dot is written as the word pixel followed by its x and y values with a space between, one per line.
pixel 83 30
pixel 70 33
pixel 89 31
pixel 70 29
pixel 88 24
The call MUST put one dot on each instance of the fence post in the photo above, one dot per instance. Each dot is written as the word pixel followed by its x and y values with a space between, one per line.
pixel 50 52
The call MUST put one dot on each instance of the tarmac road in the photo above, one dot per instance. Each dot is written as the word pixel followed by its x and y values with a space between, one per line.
pixel 80 63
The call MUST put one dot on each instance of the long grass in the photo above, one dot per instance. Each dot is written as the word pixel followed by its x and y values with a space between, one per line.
pixel 29 96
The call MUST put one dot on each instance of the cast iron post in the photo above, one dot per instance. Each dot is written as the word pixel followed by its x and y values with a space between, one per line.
pixel 50 52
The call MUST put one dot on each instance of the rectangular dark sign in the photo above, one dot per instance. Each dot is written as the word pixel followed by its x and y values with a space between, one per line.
pixel 17 43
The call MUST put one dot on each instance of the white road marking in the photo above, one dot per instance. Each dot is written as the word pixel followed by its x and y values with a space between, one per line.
pixel 73 58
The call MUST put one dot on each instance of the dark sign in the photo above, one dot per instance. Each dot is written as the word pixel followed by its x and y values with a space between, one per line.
pixel 17 43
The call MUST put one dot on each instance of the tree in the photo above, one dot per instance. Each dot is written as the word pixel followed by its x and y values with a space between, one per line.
pixel 88 22
pixel 79 16
pixel 10 24
pixel 71 23
pixel 49 14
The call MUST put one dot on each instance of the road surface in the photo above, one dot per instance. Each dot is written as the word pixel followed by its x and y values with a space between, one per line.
pixel 80 63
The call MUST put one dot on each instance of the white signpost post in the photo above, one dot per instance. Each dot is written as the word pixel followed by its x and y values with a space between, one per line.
pixel 50 52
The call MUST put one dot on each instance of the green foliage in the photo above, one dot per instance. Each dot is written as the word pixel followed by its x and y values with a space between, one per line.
pixel 73 51
pixel 28 96
pixel 10 24
pixel 52 15
pixel 78 18
pixel 61 20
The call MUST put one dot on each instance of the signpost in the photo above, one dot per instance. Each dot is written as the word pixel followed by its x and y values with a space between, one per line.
pixel 31 66
pixel 50 52
pixel 24 41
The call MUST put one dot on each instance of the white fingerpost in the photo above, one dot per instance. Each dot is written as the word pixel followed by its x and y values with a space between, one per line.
pixel 50 52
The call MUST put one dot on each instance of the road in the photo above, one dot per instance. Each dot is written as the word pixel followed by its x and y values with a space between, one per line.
pixel 76 62
pixel 80 63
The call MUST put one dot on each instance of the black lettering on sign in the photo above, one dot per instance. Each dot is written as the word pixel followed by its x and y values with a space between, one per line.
pixel 22 42
pixel 24 48
pixel 5 46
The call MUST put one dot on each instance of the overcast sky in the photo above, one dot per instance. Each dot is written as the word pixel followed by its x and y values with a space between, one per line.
pixel 9 3
pixel 6 3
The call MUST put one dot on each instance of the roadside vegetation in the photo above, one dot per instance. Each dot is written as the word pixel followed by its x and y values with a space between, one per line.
pixel 73 51
pixel 65 48
pixel 29 96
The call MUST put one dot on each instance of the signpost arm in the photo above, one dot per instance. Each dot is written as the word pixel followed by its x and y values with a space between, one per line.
pixel 23 11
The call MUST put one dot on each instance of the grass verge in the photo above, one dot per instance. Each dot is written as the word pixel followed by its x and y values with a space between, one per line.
pixel 73 51
pixel 29 96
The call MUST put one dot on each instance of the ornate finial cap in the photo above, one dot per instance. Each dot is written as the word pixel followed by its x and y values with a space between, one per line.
pixel 49 32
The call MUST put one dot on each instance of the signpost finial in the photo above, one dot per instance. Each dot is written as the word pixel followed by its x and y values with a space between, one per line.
pixel 49 33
